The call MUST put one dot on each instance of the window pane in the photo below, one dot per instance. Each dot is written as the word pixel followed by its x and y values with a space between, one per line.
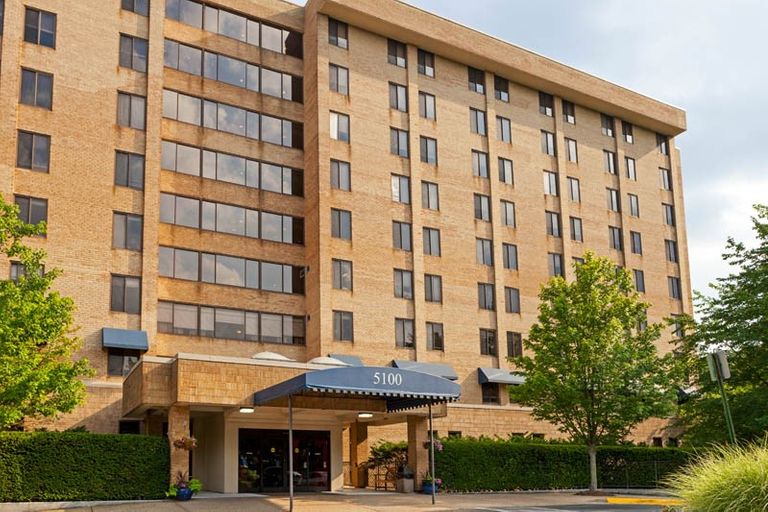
pixel 230 271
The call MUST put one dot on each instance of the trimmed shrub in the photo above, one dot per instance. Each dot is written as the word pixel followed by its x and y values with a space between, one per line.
pixel 53 466
pixel 468 464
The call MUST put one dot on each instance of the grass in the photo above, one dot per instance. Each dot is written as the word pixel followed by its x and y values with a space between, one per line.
pixel 725 479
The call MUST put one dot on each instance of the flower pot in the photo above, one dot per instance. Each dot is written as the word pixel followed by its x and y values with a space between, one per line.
pixel 426 488
pixel 184 494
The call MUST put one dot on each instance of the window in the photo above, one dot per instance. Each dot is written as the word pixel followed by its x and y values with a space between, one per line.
pixel 398 142
pixel 126 231
pixel 396 53
pixel 433 288
pixel 577 233
pixel 484 251
pixel 131 110
pixel 342 274
pixel 36 88
pixel 666 178
pixel 337 33
pixel 607 125
pixel 482 207
pixel 512 299
pixel 398 97
pixel 401 236
pixel 2 14
pixel 636 241
pixel 340 175
pixel 477 122
pixel 401 189
pixel 506 171
pixel 488 342
pixel 631 169
pixel 555 261
pixel 571 150
pixel 430 198
pixel 403 284
pixel 546 104
pixel 435 336
pixel 341 224
pixel 129 170
pixel 490 392
pixel 126 294
pixel 577 261
pixel 339 126
pixel 431 241
pixel 547 143
pixel 40 27
pixel 615 238
pixel 404 333
pixel 479 164
pixel 120 361
pixel 339 79
pixel 476 80
pixel 609 161
pixel 426 63
pixel 133 53
pixel 427 106
pixel 32 210
pixel 550 184
pixel 138 6
pixel 627 132
pixel 675 289
pixel 343 329
pixel 428 150
pixel 33 151
pixel 639 277
pixel 553 223
pixel 669 214
pixel 18 269
pixel 662 141
pixel 634 205
pixel 613 199
pixel 501 88
pixel 670 248
pixel 569 112
pixel 485 296
pixel 503 129
pixel 509 254
pixel 574 190
pixel 508 213
pixel 514 344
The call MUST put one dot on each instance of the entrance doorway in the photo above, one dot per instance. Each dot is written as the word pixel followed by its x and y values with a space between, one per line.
pixel 263 460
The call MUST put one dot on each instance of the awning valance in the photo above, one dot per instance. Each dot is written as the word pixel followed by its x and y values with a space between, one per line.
pixel 124 338
pixel 350 360
pixel 499 376
pixel 436 369
pixel 402 389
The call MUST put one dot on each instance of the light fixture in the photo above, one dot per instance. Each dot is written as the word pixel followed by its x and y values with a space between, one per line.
pixel 247 410
pixel 364 415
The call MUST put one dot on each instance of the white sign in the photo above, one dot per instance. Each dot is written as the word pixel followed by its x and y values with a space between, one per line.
pixel 388 378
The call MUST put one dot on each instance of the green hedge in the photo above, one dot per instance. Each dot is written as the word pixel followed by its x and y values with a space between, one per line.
pixel 468 464
pixel 53 466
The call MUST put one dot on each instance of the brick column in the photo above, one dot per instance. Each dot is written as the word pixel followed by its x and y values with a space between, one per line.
pixel 358 453
pixel 178 426
pixel 418 457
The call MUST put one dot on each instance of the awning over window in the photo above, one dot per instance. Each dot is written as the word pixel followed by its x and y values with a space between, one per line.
pixel 402 389
pixel 124 338
pixel 350 360
pixel 499 376
pixel 436 369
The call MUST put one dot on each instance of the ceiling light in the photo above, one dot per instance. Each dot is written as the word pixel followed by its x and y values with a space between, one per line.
pixel 246 410
pixel 364 415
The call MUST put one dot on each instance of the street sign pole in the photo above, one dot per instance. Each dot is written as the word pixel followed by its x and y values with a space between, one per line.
pixel 719 371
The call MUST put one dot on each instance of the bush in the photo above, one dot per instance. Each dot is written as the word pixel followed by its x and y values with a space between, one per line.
pixel 52 466
pixel 468 464
pixel 726 478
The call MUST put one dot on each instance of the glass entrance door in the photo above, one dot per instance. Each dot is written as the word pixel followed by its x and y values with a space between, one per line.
pixel 263 460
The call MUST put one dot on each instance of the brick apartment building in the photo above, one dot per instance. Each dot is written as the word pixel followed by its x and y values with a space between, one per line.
pixel 237 190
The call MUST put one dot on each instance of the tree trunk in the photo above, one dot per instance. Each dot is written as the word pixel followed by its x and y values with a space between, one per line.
pixel 592 450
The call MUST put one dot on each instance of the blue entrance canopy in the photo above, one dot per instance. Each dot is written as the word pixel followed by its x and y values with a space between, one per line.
pixel 402 389
pixel 437 369
pixel 124 338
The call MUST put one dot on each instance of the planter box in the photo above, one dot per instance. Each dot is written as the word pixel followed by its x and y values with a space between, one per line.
pixel 427 488
pixel 404 485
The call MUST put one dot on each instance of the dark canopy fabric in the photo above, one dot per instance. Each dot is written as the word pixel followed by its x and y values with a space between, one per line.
pixel 437 369
pixel 499 376
pixel 124 338
pixel 402 389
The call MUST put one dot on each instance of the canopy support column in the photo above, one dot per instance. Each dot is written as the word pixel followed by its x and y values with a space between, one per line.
pixel 290 454
pixel 432 453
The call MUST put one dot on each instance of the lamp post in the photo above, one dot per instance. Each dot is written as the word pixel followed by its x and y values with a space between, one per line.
pixel 718 372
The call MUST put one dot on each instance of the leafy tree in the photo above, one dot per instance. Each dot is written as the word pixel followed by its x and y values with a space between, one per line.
pixel 38 376
pixel 594 370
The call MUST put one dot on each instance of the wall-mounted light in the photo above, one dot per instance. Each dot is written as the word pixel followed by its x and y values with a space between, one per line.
pixel 364 415
pixel 247 410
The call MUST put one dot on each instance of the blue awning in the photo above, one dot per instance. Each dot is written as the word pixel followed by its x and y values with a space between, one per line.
pixel 499 376
pixel 436 369
pixel 350 360
pixel 402 389
pixel 124 338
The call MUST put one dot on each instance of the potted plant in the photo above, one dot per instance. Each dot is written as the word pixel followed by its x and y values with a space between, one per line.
pixel 183 487
pixel 428 482
pixel 404 482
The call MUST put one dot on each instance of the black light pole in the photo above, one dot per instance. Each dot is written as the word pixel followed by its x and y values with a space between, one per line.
pixel 432 453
